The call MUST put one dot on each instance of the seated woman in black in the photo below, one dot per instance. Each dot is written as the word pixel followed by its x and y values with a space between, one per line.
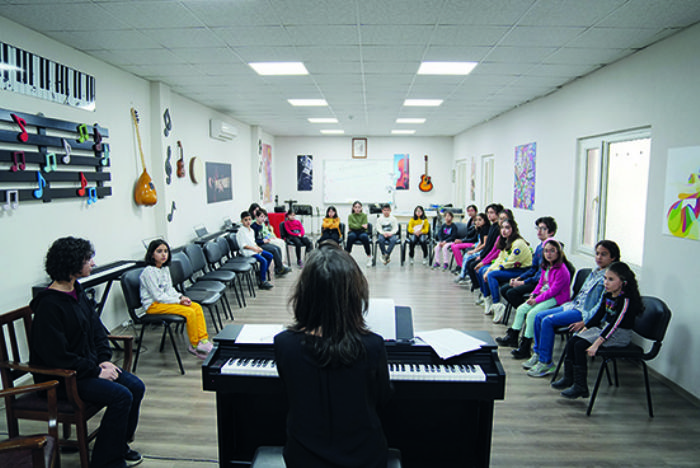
pixel 333 368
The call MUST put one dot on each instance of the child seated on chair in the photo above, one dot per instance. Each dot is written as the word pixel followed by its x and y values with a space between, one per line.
pixel 330 227
pixel 387 228
pixel 245 237
pixel 294 231
pixel 268 243
pixel 67 334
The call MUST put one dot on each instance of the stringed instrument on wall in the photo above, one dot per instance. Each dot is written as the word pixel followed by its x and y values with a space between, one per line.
pixel 181 161
pixel 144 191
pixel 425 185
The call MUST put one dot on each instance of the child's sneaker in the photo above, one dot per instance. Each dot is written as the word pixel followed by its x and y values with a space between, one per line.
pixel 369 261
pixel 410 261
pixel 300 264
pixel 541 369
pixel 458 279
pixel 534 359
pixel 436 266
pixel 425 261
pixel 446 267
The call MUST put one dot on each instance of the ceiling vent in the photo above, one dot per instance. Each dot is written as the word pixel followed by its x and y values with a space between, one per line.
pixel 220 130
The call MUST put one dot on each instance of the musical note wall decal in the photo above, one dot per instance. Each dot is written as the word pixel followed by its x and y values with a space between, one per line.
pixel 67 148
pixel 11 200
pixel 105 154
pixel 83 134
pixel 172 210
pixel 83 184
pixel 168 122
pixel 39 193
pixel 92 195
pixel 51 164
pixel 18 166
pixel 23 136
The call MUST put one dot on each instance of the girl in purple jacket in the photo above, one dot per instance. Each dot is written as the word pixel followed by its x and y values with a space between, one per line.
pixel 554 288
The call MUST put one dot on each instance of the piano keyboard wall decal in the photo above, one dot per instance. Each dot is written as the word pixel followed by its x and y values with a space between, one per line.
pixel 26 73
pixel 44 159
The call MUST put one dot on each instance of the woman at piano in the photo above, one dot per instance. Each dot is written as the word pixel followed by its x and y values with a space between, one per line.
pixel 158 296
pixel 333 368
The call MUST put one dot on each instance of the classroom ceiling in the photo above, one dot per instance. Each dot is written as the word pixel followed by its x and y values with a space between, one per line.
pixel 362 56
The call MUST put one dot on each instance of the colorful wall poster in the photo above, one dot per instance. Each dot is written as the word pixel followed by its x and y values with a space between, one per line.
pixel 305 173
pixel 524 185
pixel 219 182
pixel 267 173
pixel 682 193
pixel 401 173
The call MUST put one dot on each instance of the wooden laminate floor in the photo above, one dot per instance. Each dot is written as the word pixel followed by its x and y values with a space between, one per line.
pixel 533 426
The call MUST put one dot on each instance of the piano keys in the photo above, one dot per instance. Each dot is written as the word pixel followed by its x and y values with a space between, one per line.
pixel 440 414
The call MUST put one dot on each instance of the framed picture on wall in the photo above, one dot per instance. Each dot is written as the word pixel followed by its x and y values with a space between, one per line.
pixel 359 148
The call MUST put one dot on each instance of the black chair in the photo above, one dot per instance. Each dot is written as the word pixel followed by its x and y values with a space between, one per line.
pixel 375 245
pixel 235 256
pixel 205 293
pixel 651 325
pixel 131 286
pixel 226 263
pixel 404 245
pixel 215 260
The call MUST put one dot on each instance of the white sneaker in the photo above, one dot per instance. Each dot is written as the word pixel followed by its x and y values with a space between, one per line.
pixel 534 359
pixel 369 262
pixel 479 299
pixel 410 261
pixel 499 311
pixel 425 261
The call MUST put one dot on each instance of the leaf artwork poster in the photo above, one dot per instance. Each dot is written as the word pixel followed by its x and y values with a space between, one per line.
pixel 524 185
pixel 305 173
pixel 682 193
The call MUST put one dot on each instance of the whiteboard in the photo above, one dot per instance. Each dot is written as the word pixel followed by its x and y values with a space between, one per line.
pixel 367 180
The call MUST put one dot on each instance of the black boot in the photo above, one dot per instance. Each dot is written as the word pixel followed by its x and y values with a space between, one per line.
pixel 523 352
pixel 580 387
pixel 568 379
pixel 510 338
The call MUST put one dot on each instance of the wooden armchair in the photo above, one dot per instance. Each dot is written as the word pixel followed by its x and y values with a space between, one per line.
pixel 15 329
pixel 37 451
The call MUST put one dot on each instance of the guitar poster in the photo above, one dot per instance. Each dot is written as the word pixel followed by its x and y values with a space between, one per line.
pixel 219 182
pixel 305 173
pixel 401 173
pixel 524 185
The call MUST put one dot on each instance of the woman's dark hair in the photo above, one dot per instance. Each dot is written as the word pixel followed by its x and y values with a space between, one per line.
pixel 66 257
pixel 152 248
pixel 508 212
pixel 611 247
pixel 549 223
pixel 630 287
pixel 506 244
pixel 421 210
pixel 484 231
pixel 253 208
pixel 329 209
pixel 330 299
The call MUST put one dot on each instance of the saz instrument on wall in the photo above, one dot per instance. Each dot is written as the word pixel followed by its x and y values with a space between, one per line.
pixel 181 161
pixel 145 191
pixel 425 183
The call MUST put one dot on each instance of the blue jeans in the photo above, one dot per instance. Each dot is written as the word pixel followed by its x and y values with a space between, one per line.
pixel 546 322
pixel 465 261
pixel 355 236
pixel 122 399
pixel 483 285
pixel 384 241
pixel 264 258
pixel 496 277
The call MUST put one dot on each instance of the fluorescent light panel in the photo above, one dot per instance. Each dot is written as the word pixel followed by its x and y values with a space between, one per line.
pixel 333 132
pixel 410 120
pixel 422 102
pixel 322 120
pixel 279 68
pixel 307 102
pixel 403 132
pixel 446 68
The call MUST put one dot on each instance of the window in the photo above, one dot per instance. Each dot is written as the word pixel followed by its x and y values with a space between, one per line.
pixel 612 193
pixel 487 163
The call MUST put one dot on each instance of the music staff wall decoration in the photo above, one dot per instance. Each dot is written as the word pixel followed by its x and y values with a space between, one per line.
pixel 46 159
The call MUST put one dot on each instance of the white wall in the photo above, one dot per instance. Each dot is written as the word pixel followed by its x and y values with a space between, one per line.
pixel 438 149
pixel 116 224
pixel 656 87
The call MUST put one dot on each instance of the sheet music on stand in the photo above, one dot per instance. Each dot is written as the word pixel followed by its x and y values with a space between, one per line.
pixel 448 342
pixel 381 317
pixel 258 333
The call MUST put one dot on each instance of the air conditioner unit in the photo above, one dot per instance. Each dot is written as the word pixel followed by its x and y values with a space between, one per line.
pixel 220 130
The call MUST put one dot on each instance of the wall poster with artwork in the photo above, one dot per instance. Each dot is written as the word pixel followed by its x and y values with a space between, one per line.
pixel 267 173
pixel 524 173
pixel 682 193
pixel 219 182
pixel 305 173
pixel 401 173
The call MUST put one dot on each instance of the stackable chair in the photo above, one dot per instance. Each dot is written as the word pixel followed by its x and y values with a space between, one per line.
pixel 370 234
pixel 242 268
pixel 205 293
pixel 131 287
pixel 202 272
pixel 651 325
pixel 15 328
pixel 284 235
pixel 404 245
pixel 235 256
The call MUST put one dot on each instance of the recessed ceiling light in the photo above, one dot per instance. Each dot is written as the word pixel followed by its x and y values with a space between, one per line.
pixel 409 120
pixel 403 132
pixel 446 68
pixel 307 102
pixel 333 132
pixel 422 102
pixel 279 68
pixel 322 120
